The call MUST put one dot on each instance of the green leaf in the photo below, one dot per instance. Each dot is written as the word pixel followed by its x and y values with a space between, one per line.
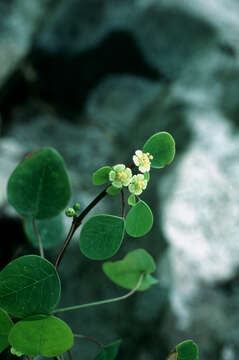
pixel 162 147
pixel 112 190
pixel 139 219
pixel 126 272
pixel 50 230
pixel 41 335
pixel 101 176
pixel 5 326
pixel 109 352
pixel 186 350
pixel 101 236
pixel 39 186
pixel 131 200
pixel 29 285
pixel 146 176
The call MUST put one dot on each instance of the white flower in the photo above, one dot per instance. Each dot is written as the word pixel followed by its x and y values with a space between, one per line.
pixel 120 176
pixel 142 160
pixel 138 184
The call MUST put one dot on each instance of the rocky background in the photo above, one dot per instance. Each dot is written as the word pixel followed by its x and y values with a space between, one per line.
pixel 95 79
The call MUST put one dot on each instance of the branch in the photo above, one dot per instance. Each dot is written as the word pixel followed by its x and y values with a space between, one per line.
pixel 76 307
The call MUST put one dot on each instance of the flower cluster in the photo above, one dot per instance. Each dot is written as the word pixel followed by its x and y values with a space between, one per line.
pixel 142 160
pixel 120 175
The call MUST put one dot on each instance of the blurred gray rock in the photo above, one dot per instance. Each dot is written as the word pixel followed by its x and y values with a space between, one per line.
pixel 200 221
pixel 171 35
pixel 80 25
pixel 11 151
pixel 19 23
pixel 117 101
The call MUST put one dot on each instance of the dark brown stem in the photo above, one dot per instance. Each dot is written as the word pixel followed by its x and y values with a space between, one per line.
pixel 67 241
pixel 91 205
pixel 123 203
pixel 69 354
pixel 77 220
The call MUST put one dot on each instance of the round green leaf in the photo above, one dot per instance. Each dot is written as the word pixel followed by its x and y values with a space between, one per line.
pixel 41 335
pixel 109 352
pixel 29 285
pixel 101 236
pixel 101 176
pixel 39 186
pixel 187 350
pixel 126 272
pixel 112 190
pixel 139 219
pixel 5 326
pixel 50 230
pixel 131 200
pixel 162 147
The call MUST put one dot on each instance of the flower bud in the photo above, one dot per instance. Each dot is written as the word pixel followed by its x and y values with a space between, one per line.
pixel 70 212
pixel 76 206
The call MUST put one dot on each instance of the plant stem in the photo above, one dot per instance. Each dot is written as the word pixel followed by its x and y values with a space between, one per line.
pixel 89 338
pixel 77 220
pixel 69 354
pixel 41 250
pixel 76 307
pixel 66 243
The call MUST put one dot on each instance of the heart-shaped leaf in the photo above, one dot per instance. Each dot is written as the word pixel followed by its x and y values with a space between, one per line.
pixel 41 335
pixel 29 285
pixel 126 272
pixel 109 352
pixel 139 219
pixel 5 327
pixel 101 176
pixel 162 147
pixel 186 350
pixel 39 186
pixel 101 236
pixel 50 230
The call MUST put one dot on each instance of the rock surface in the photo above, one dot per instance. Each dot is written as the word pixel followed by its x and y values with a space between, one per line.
pixel 19 23
pixel 200 221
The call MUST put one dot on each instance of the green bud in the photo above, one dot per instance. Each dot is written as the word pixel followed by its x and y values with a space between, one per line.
pixel 76 206
pixel 70 212
pixel 131 200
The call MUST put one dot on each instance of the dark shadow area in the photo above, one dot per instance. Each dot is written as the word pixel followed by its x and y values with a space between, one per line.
pixel 66 80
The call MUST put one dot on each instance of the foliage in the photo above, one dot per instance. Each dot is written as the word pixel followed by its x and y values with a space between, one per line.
pixel 39 189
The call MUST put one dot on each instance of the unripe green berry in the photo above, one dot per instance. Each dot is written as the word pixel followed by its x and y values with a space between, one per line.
pixel 70 212
pixel 76 206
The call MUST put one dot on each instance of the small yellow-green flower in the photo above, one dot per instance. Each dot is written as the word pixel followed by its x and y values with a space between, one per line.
pixel 138 184
pixel 120 176
pixel 142 160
